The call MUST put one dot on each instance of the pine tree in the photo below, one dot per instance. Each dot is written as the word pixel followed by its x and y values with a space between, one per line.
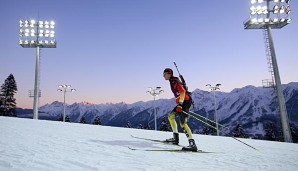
pixel 294 133
pixel 67 118
pixel 60 118
pixel 269 132
pixel 140 126
pixel 239 132
pixel 164 125
pixel 207 130
pixel 1 111
pixel 128 125
pixel 97 121
pixel 147 126
pixel 83 120
pixel 280 136
pixel 8 102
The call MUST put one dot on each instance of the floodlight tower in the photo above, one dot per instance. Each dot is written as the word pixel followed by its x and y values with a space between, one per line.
pixel 155 92
pixel 65 88
pixel 213 89
pixel 37 34
pixel 260 18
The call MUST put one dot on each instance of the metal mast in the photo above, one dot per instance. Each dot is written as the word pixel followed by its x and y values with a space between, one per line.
pixel 260 19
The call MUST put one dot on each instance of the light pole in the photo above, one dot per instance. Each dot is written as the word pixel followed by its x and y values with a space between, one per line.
pixel 37 34
pixel 155 92
pixel 260 19
pixel 65 88
pixel 213 89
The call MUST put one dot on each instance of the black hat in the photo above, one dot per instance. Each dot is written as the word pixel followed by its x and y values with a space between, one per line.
pixel 168 70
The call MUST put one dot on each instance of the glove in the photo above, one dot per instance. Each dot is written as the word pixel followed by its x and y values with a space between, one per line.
pixel 179 109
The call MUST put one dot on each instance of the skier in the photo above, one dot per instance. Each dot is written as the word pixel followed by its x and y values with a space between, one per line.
pixel 183 101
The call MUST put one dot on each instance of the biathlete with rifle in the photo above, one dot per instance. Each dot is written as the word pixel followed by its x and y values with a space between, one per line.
pixel 184 102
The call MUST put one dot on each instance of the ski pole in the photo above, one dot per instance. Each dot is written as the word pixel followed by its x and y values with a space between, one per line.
pixel 200 120
pixel 206 122
pixel 208 119
pixel 246 144
pixel 221 131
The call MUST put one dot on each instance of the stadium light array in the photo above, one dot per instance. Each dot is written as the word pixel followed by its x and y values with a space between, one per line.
pixel 275 13
pixel 37 33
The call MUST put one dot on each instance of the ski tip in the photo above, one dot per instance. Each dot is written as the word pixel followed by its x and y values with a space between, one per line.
pixel 131 148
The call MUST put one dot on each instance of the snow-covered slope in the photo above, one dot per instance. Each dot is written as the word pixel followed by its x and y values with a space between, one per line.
pixel 27 144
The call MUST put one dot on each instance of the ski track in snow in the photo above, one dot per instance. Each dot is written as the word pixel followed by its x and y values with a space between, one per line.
pixel 27 144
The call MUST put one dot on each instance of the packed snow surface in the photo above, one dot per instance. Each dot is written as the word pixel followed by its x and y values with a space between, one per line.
pixel 27 144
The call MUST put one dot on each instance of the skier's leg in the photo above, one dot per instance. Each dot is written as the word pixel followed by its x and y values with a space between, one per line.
pixel 192 145
pixel 184 118
pixel 183 123
pixel 185 127
pixel 173 122
pixel 175 139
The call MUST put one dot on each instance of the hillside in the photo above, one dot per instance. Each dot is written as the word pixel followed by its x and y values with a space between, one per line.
pixel 27 144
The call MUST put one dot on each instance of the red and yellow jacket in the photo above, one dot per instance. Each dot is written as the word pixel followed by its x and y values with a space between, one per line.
pixel 178 90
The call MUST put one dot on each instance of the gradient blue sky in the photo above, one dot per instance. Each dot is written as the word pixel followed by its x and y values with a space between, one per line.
pixel 113 50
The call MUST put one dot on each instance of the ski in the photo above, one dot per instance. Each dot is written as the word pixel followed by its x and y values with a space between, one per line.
pixel 169 150
pixel 155 140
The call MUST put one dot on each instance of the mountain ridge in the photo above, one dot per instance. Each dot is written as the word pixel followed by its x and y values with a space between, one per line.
pixel 250 106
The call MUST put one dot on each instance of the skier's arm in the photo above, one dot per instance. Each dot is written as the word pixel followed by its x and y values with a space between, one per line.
pixel 182 93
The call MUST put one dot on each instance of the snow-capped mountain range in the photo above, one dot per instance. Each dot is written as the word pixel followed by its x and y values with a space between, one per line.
pixel 250 106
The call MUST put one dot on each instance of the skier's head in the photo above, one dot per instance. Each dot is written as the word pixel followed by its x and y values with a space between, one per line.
pixel 167 73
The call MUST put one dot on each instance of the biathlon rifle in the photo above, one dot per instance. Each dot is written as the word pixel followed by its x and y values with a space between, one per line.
pixel 182 80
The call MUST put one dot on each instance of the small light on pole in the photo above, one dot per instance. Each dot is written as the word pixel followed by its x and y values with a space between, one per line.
pixel 155 92
pixel 65 88
pixel 213 89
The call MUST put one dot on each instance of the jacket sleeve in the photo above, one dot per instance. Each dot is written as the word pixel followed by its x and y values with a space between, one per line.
pixel 182 93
